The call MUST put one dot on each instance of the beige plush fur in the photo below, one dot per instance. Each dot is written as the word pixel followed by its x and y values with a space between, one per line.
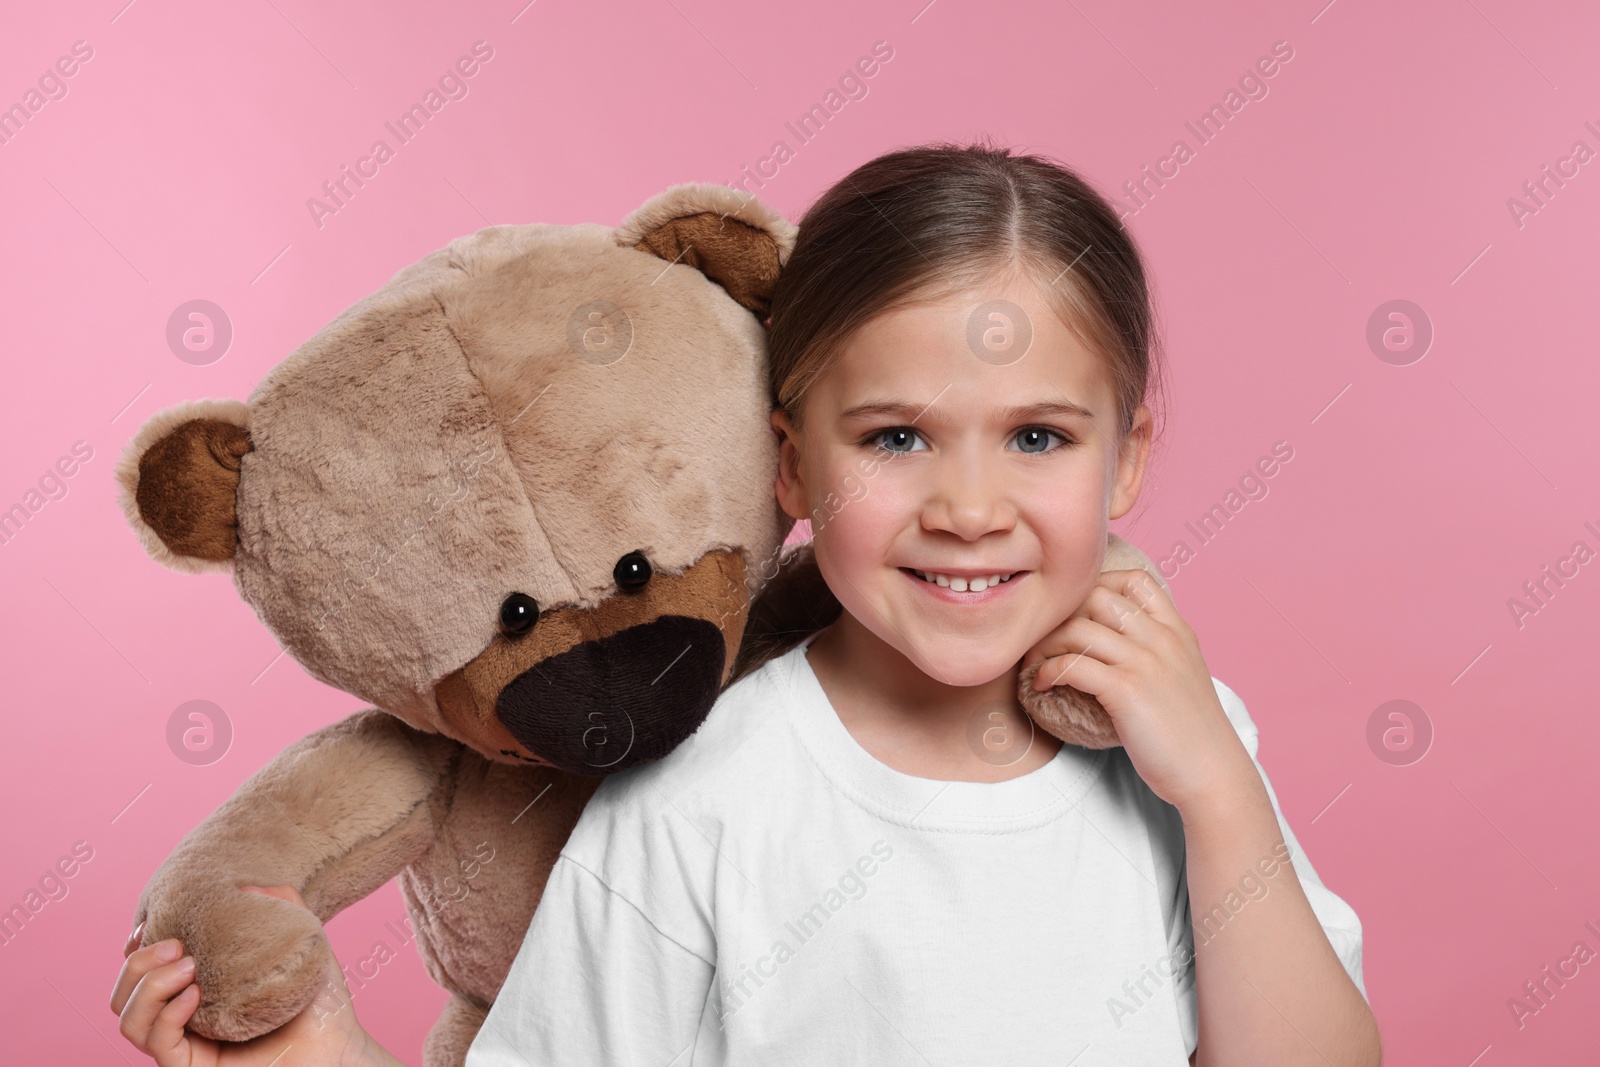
pixel 668 446
pixel 514 413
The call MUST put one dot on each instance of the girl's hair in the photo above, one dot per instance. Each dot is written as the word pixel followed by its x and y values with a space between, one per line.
pixel 935 219
pixel 929 221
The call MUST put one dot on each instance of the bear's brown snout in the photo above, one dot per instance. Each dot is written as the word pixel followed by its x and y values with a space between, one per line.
pixel 618 701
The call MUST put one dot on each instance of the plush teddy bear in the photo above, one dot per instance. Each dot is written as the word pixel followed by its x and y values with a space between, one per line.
pixel 519 499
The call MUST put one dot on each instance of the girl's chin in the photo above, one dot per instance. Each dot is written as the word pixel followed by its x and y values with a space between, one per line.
pixel 963 662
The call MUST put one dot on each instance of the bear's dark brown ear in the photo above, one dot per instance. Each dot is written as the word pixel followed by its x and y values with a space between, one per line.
pixel 729 236
pixel 180 476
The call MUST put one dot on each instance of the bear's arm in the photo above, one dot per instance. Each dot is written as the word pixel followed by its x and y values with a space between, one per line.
pixel 335 815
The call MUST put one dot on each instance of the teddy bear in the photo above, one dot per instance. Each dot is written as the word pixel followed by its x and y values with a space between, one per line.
pixel 519 499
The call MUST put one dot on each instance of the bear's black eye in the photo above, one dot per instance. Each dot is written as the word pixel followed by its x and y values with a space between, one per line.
pixel 632 572
pixel 518 613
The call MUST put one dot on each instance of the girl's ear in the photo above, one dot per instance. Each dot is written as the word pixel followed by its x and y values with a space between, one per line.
pixel 788 487
pixel 1132 463
pixel 730 237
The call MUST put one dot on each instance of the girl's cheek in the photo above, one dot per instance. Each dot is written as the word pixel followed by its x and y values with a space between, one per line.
pixel 851 485
pixel 854 532
pixel 1072 531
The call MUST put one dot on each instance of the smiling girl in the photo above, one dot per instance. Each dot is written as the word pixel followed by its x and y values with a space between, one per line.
pixel 836 868
pixel 832 870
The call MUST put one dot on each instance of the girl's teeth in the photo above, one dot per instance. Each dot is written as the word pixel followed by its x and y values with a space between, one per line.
pixel 962 585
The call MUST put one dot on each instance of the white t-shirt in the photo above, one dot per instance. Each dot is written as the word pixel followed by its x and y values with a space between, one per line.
pixel 770 893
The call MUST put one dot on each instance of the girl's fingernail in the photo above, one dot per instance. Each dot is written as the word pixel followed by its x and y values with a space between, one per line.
pixel 168 950
pixel 186 965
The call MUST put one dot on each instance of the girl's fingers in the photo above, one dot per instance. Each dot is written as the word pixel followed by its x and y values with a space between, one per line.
pixel 1080 669
pixel 133 940
pixel 1080 636
pixel 1139 589
pixel 1110 625
pixel 1117 612
pixel 150 998
pixel 140 963
pixel 167 1042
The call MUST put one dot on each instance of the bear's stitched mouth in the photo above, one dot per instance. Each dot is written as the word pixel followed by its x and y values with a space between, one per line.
pixel 619 701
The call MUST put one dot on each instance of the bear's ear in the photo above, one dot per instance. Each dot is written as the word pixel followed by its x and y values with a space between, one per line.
pixel 729 236
pixel 179 476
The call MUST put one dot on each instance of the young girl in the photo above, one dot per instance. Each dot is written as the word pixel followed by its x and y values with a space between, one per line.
pixel 841 865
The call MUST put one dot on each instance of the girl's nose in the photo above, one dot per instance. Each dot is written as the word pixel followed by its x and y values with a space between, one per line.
pixel 969 499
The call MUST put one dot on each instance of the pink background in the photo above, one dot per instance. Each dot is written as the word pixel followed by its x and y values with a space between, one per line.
pixel 1379 567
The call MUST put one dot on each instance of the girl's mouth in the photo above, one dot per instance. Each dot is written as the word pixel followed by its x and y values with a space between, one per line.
pixel 964 590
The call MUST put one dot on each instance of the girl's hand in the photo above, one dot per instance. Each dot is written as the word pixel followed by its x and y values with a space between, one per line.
pixel 1127 646
pixel 155 995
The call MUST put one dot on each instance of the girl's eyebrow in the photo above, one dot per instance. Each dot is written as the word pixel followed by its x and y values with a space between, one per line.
pixel 911 412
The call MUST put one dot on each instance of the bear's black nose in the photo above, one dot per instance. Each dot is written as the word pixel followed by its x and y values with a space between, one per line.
pixel 626 699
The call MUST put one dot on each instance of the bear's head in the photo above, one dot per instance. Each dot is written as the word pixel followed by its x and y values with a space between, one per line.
pixel 520 496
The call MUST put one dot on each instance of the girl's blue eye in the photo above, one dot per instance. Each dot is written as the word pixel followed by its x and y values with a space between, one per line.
pixel 900 435
pixel 1035 439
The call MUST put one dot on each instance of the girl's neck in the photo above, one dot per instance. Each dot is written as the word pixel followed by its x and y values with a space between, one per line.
pixel 915 723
